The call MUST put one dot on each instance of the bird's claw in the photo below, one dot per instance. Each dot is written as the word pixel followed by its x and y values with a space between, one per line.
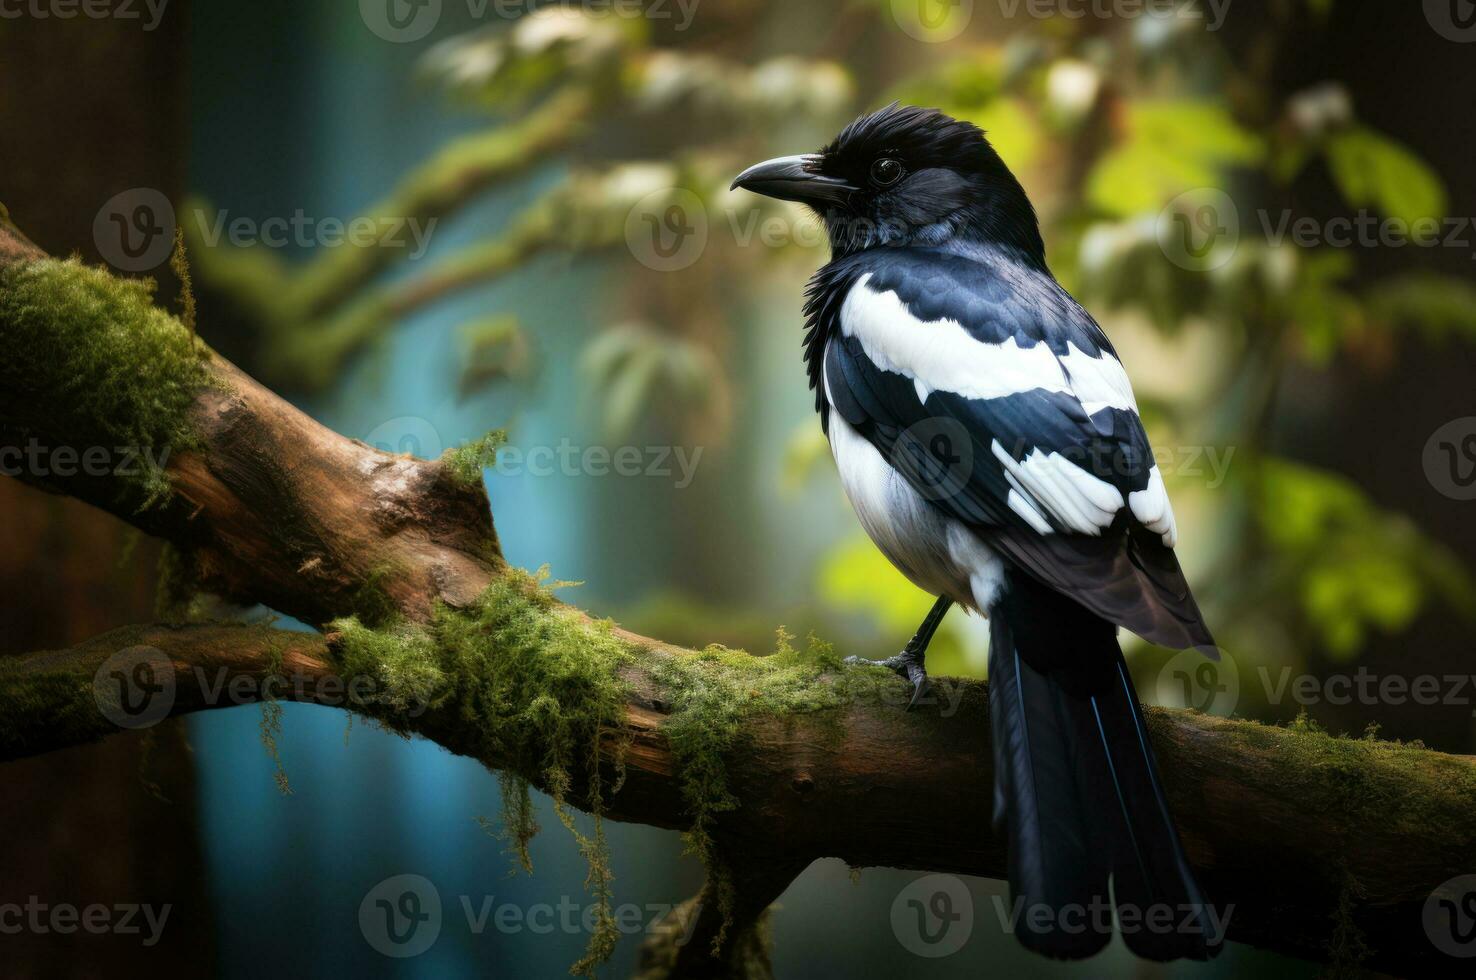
pixel 908 664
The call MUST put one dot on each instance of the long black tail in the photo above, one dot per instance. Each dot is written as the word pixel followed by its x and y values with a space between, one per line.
pixel 1077 789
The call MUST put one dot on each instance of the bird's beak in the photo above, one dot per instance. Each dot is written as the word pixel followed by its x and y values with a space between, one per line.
pixel 794 179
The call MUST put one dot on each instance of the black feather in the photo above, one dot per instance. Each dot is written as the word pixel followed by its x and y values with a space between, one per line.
pixel 1126 575
pixel 1077 789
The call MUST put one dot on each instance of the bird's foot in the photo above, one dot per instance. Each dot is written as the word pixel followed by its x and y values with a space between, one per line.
pixel 908 664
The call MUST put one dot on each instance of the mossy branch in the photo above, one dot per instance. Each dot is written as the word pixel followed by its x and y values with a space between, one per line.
pixel 775 760
pixel 1277 821
pixel 263 504
pixel 312 353
pixel 435 190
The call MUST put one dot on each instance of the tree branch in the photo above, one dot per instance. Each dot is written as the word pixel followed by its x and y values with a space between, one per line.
pixel 1276 820
pixel 1285 825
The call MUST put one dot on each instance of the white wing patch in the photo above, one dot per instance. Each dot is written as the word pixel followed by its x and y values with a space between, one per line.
pixel 940 355
pixel 1047 490
pixel 1021 505
pixel 1152 508
pixel 1098 382
pixel 1051 483
pixel 938 553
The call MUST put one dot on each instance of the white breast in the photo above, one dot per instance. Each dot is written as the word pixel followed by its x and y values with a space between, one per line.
pixel 937 553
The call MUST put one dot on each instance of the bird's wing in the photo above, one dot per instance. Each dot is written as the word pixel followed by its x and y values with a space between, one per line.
pixel 1000 400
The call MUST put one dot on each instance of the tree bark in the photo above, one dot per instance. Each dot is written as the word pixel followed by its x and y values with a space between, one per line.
pixel 1301 837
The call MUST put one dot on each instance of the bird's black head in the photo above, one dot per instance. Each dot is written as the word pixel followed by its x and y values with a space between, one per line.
pixel 905 175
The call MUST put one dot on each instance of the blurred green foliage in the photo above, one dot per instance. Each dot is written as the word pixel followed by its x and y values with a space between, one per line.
pixel 1121 130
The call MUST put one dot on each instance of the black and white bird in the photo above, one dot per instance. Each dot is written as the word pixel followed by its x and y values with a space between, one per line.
pixel 987 436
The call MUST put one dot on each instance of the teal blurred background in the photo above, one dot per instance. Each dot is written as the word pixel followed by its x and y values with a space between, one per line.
pixel 1297 389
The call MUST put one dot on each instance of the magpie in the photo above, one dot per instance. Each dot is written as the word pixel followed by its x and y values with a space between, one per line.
pixel 988 439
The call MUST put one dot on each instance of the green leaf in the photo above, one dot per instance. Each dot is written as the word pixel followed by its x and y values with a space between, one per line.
pixel 1372 170
pixel 625 397
pixel 1437 306
pixel 494 349
pixel 625 362
pixel 1170 147
pixel 1353 566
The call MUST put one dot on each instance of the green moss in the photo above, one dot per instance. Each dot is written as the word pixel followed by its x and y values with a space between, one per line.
pixel 519 824
pixel 747 959
pixel 539 688
pixel 311 319
pixel 713 696
pixel 179 263
pixel 371 602
pixel 542 687
pixel 111 369
pixel 271 719
pixel 1347 948
pixel 466 462
pixel 1370 781
pixel 147 741
pixel 177 589
pixel 44 709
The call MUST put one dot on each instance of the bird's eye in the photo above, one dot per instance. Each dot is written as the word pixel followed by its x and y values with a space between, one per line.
pixel 886 172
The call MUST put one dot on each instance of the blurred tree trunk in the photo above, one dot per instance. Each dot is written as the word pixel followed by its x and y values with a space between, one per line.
pixel 89 108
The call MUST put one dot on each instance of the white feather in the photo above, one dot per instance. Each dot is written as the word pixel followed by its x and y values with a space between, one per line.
pixel 1098 382
pixel 938 554
pixel 940 355
pixel 1052 483
pixel 1152 508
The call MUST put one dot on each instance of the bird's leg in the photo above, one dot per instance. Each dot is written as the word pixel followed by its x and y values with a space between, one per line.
pixel 910 662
